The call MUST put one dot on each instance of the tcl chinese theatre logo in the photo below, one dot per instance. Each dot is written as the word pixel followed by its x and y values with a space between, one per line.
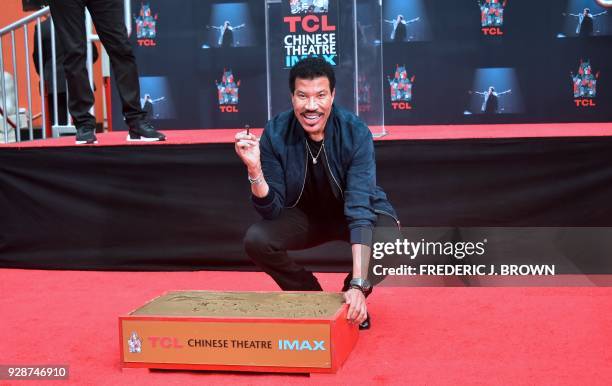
pixel 309 31
pixel 146 26
pixel 227 92
pixel 400 87
pixel 584 84
pixel 492 16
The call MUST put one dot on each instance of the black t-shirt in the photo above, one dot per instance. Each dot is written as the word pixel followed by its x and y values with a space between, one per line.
pixel 320 201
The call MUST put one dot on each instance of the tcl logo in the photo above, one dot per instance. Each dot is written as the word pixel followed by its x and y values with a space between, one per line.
pixel 401 106
pixel 585 102
pixel 310 23
pixel 164 342
pixel 146 42
pixel 492 31
pixel 228 108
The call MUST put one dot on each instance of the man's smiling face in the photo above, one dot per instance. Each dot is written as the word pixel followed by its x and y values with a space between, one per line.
pixel 312 103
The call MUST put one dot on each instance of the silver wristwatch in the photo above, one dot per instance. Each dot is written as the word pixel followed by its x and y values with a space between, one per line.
pixel 362 285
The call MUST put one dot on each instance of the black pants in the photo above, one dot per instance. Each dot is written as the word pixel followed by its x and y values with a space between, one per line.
pixel 268 241
pixel 62 116
pixel 107 16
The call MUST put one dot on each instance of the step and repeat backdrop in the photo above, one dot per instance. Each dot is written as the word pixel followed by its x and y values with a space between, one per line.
pixel 225 64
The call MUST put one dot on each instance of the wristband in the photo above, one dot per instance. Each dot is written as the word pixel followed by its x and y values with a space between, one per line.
pixel 257 180
pixel 361 289
pixel 362 285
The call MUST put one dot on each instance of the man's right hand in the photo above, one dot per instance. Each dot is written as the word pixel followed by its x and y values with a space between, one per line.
pixel 247 148
pixel 358 310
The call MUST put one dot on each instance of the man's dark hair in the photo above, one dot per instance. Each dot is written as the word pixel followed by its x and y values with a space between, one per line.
pixel 311 68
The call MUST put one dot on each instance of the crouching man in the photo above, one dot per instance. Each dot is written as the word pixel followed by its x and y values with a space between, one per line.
pixel 313 180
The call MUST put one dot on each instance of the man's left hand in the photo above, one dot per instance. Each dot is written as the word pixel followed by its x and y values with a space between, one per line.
pixel 356 300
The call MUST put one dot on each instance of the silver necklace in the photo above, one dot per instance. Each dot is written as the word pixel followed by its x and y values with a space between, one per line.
pixel 314 159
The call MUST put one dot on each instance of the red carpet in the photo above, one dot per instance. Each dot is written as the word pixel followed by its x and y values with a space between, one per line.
pixel 182 137
pixel 433 336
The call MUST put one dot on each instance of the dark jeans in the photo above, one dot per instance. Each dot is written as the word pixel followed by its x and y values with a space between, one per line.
pixel 268 241
pixel 107 16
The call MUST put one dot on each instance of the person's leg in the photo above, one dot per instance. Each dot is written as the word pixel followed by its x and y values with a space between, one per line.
pixel 107 16
pixel 69 20
pixel 268 241
pixel 50 108
pixel 62 117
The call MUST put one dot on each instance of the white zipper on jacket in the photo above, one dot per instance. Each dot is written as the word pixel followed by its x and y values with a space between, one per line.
pixel 390 215
pixel 305 171
pixel 342 193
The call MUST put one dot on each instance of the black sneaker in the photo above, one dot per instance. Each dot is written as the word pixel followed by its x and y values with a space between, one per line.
pixel 366 324
pixel 86 135
pixel 144 131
